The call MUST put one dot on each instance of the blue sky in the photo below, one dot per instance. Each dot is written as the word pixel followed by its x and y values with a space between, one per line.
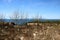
pixel 48 9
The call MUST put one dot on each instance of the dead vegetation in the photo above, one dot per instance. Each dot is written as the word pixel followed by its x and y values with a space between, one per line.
pixel 43 31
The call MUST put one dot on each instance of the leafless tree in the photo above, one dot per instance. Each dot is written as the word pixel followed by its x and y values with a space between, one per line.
pixel 15 17
pixel 36 17
pixel 2 17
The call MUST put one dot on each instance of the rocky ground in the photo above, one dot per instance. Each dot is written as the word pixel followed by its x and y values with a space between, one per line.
pixel 44 31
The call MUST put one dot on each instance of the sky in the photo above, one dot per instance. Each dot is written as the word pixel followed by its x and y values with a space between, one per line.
pixel 47 9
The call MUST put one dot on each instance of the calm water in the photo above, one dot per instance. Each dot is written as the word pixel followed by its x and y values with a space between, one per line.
pixel 21 21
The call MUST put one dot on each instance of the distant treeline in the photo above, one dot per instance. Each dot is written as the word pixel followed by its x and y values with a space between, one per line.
pixel 46 21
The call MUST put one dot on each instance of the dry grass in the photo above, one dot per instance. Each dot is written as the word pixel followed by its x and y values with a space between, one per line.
pixel 41 32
